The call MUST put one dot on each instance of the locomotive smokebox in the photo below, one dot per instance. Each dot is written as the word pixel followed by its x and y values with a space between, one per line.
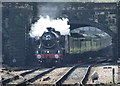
pixel 49 39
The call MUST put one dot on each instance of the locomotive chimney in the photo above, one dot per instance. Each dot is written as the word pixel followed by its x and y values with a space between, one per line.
pixel 50 29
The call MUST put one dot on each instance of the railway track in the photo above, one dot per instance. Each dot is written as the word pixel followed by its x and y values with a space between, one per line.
pixel 107 74
pixel 14 76
pixel 53 76
pixel 58 78
pixel 65 75
pixel 75 76
pixel 85 78
pixel 20 78
pixel 32 76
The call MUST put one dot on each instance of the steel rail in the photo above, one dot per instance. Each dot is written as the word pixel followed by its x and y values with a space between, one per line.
pixel 17 76
pixel 32 79
pixel 64 77
pixel 85 78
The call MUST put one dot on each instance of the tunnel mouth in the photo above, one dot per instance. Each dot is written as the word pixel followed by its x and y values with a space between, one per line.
pixel 104 47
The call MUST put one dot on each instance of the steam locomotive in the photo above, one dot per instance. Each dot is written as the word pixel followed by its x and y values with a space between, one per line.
pixel 53 47
pixel 49 50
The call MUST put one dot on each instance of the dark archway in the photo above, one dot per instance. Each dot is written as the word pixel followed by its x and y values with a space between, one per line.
pixel 77 24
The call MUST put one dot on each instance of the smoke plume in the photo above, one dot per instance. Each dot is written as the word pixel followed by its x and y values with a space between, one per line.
pixel 39 27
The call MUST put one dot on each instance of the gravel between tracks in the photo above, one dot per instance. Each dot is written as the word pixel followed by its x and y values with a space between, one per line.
pixel 104 73
pixel 52 76
pixel 76 75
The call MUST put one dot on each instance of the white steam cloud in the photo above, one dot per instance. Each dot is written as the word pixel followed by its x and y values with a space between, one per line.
pixel 40 26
